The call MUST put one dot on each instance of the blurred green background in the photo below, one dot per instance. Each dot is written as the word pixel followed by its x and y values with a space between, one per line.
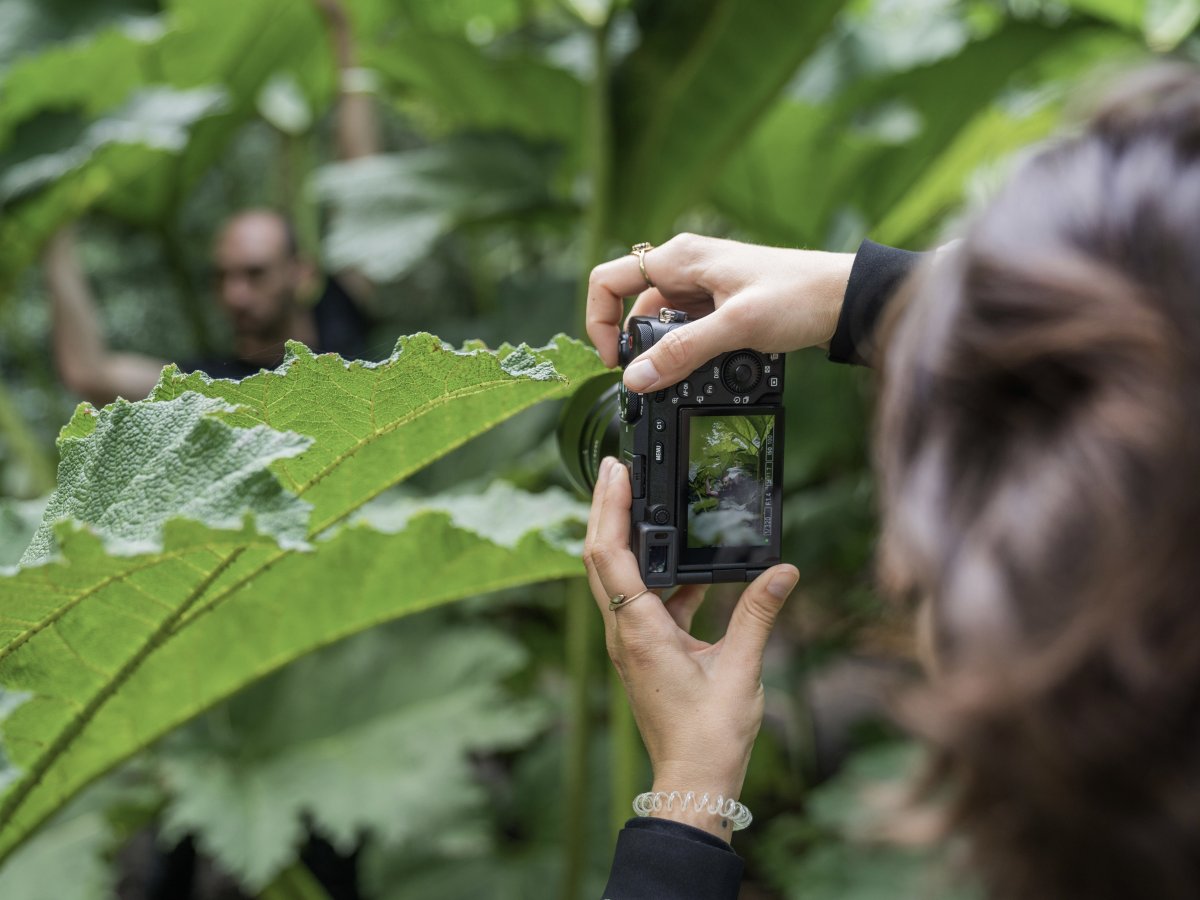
pixel 525 141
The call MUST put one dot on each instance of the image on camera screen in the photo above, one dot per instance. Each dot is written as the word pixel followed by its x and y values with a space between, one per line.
pixel 731 473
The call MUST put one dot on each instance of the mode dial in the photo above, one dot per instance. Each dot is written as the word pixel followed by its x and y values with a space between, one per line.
pixel 629 404
pixel 742 372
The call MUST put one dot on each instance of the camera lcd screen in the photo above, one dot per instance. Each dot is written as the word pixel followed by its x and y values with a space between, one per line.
pixel 730 487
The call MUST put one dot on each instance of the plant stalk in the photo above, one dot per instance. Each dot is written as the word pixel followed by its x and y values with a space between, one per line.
pixel 580 613
pixel 598 219
pixel 627 755
pixel 581 630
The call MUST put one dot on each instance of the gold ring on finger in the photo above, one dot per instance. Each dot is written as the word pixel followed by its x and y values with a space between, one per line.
pixel 640 250
pixel 618 600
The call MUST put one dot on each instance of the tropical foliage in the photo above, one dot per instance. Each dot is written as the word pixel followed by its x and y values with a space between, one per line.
pixel 178 629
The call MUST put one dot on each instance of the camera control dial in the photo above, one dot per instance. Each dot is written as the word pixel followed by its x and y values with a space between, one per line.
pixel 629 404
pixel 742 372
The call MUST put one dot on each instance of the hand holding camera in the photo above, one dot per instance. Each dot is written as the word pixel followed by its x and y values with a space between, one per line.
pixel 697 423
pixel 736 295
pixel 698 706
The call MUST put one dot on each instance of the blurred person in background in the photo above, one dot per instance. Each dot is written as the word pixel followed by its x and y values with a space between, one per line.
pixel 1037 444
pixel 260 277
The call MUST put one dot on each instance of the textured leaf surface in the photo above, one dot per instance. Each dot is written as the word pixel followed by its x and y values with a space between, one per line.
pixel 111 474
pixel 109 652
pixel 399 710
pixel 375 424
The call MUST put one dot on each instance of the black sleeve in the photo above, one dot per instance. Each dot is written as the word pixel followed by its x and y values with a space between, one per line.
pixel 877 273
pixel 657 859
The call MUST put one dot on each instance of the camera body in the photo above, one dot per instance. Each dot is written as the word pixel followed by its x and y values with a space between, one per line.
pixel 705 460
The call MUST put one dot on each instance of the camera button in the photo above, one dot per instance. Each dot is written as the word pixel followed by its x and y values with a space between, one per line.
pixel 709 388
pixel 684 389
pixel 659 453
pixel 660 424
pixel 637 476
pixel 660 515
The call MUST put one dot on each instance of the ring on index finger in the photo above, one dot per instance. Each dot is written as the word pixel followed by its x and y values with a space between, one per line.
pixel 640 250
pixel 616 601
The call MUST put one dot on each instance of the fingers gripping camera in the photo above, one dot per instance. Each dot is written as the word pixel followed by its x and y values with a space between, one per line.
pixel 705 460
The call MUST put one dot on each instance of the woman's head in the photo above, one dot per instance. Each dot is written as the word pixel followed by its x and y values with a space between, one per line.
pixel 1039 446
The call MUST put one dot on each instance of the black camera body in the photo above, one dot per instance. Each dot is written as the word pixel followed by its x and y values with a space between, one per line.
pixel 705 460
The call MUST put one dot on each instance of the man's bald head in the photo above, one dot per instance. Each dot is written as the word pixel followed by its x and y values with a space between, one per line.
pixel 263 227
pixel 258 272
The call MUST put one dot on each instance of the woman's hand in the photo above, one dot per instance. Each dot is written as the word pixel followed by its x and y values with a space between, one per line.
pixel 770 299
pixel 698 706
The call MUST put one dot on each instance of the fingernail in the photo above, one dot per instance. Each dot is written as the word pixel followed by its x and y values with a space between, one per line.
pixel 640 375
pixel 605 468
pixel 781 585
pixel 615 471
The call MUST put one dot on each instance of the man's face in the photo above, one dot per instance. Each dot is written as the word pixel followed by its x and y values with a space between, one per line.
pixel 255 276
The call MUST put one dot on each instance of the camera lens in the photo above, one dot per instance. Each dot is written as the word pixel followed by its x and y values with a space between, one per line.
pixel 589 429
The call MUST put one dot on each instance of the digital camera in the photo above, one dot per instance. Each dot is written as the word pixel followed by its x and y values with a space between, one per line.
pixel 705 459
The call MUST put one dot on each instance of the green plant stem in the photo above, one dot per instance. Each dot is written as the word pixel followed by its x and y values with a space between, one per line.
pixel 297 161
pixel 25 447
pixel 580 613
pixel 626 753
pixel 598 221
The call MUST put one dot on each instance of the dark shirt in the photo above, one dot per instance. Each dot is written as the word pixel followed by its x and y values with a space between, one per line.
pixel 657 859
pixel 341 329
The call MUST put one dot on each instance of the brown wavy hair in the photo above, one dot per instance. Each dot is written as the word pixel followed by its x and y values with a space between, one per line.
pixel 1039 449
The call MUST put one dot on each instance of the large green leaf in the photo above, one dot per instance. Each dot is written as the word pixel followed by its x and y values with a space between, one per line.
pixel 390 210
pixel 811 165
pixel 28 26
pixel 131 630
pixel 63 862
pixel 1164 23
pixel 461 85
pixel 702 77
pixel 91 75
pixel 71 857
pixel 353 738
